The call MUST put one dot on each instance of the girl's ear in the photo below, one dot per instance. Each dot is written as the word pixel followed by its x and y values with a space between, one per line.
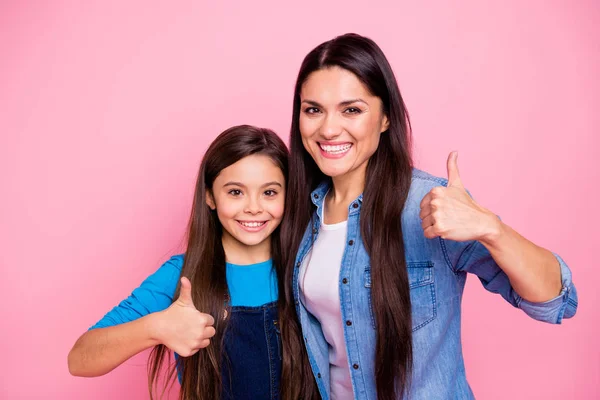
pixel 210 200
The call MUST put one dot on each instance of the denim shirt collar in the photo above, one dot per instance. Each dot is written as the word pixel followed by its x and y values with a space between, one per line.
pixel 318 196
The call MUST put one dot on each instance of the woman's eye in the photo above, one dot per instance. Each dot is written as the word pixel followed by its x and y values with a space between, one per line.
pixel 235 192
pixel 270 193
pixel 311 110
pixel 352 110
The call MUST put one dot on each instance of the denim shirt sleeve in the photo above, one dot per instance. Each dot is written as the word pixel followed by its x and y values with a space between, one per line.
pixel 476 259
pixel 154 294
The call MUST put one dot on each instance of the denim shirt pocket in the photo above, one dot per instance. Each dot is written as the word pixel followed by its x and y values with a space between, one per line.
pixel 422 293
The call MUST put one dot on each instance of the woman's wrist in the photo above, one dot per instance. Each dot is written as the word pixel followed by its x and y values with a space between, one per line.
pixel 493 231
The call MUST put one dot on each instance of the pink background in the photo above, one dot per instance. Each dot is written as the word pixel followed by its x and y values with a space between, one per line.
pixel 107 107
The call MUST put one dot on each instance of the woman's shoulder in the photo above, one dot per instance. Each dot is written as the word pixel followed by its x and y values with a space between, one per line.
pixel 421 183
pixel 420 177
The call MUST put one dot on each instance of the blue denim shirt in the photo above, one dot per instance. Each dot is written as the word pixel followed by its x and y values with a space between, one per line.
pixel 437 271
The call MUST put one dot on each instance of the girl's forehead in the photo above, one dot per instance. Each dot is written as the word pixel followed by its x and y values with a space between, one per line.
pixel 254 170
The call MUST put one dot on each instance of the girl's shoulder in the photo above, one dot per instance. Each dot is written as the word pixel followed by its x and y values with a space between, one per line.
pixel 175 261
pixel 154 294
pixel 168 273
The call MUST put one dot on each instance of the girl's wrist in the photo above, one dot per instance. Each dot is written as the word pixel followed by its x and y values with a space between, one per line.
pixel 155 327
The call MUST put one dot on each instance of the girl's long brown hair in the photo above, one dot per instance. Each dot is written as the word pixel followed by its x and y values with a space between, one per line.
pixel 383 202
pixel 204 266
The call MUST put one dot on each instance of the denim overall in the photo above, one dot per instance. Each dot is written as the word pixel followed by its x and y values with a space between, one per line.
pixel 251 366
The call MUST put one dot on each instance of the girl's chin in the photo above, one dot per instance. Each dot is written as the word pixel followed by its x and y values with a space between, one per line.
pixel 251 239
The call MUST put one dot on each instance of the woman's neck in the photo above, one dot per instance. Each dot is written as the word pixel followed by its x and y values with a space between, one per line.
pixel 345 190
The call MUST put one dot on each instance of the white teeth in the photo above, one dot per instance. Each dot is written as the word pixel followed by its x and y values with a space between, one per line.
pixel 338 149
pixel 253 224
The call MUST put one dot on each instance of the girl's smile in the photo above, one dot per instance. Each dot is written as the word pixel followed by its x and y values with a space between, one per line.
pixel 248 197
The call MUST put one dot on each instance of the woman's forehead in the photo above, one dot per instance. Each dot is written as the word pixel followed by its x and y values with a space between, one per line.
pixel 334 85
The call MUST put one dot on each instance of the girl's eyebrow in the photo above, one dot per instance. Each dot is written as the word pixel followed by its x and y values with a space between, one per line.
pixel 234 184
pixel 343 103
pixel 273 183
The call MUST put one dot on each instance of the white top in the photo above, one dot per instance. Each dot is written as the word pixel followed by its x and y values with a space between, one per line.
pixel 319 292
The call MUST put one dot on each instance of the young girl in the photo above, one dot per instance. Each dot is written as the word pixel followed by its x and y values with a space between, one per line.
pixel 379 272
pixel 215 306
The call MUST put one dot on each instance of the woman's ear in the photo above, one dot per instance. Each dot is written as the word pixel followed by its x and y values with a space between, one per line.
pixel 385 123
pixel 210 201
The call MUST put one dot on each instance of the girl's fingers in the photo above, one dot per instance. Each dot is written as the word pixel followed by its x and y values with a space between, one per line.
pixel 208 319
pixel 209 332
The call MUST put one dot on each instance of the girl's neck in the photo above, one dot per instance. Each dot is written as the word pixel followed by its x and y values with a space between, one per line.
pixel 241 254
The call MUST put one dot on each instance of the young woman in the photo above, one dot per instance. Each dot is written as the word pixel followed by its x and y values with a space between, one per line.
pixel 379 272
pixel 222 318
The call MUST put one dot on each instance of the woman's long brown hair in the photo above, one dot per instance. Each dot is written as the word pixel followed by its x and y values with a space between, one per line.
pixel 383 202
pixel 204 266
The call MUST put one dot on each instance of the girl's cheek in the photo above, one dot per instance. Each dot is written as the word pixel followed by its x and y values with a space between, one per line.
pixel 277 210
pixel 226 210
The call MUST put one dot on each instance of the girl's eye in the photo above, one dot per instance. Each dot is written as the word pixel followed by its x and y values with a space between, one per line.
pixel 270 193
pixel 352 110
pixel 235 192
pixel 312 110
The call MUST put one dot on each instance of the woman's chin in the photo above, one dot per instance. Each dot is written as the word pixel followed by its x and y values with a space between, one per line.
pixel 333 170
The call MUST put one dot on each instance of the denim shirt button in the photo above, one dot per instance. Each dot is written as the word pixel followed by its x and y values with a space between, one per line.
pixel 298 264
pixel 314 231
pixel 318 375
pixel 316 196
pixel 355 205
pixel 355 366
pixel 349 323
pixel 345 280
pixel 351 242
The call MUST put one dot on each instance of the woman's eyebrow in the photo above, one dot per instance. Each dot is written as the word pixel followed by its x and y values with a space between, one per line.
pixel 348 102
pixel 312 103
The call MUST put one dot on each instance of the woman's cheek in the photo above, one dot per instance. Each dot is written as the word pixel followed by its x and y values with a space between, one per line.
pixel 302 126
pixel 308 126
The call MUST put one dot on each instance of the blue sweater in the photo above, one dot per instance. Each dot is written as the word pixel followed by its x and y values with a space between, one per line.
pixel 249 285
